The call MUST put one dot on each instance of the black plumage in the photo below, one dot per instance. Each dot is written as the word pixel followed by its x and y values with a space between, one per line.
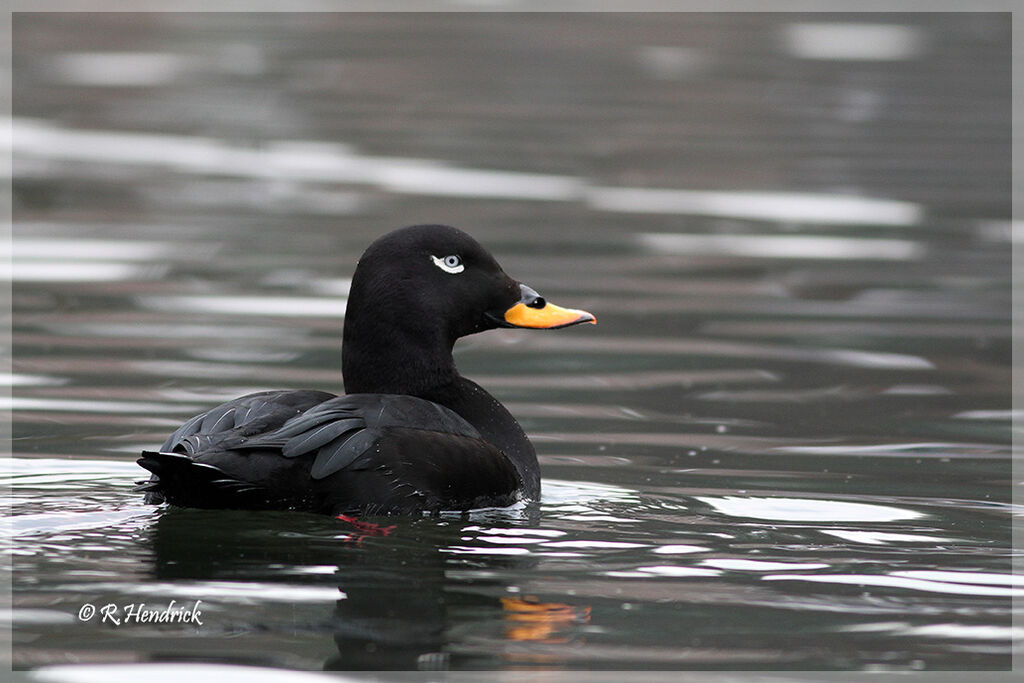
pixel 410 435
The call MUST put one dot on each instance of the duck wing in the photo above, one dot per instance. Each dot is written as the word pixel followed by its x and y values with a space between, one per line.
pixel 182 456
pixel 324 453
pixel 241 419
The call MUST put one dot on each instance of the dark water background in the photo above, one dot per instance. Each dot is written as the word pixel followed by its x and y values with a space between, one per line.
pixel 786 445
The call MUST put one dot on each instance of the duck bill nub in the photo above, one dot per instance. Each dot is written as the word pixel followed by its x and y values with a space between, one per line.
pixel 548 316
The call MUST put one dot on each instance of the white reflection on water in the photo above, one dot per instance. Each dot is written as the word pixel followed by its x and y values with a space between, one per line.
pixel 483 550
pixel 916 390
pixel 618 381
pixel 59 249
pixel 36 616
pixel 250 592
pixel 679 549
pixel 118 69
pixel 432 178
pixel 310 161
pixel 319 161
pixel 671 62
pixel 986 578
pixel 736 564
pixel 25 478
pixel 175 672
pixel 721 348
pixel 506 540
pixel 853 42
pixel 27 471
pixel 882 538
pixel 806 509
pixel 241 354
pixel 91 405
pixel 613 545
pixel 584 501
pixel 560 501
pixel 62 271
pixel 663 570
pixel 990 415
pixel 82 260
pixel 497 531
pixel 24 526
pixel 333 307
pixel 891 581
pixel 191 331
pixel 9 379
pixel 944 630
pixel 801 207
pixel 920 450
pixel 784 246
pixel 559 495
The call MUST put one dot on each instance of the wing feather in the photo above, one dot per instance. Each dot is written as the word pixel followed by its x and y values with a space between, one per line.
pixel 340 453
pixel 318 436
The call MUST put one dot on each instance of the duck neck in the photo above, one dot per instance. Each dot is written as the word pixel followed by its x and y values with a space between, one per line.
pixel 394 361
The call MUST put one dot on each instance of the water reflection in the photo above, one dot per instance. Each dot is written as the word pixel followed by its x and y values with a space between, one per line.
pixel 764 206
pixel 885 537
pixel 784 246
pixel 262 306
pixel 324 161
pixel 391 593
pixel 461 591
pixel 318 161
pixel 196 672
pixel 118 69
pixel 902 582
pixel 806 510
pixel 846 41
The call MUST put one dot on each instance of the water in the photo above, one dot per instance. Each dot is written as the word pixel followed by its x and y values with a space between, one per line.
pixel 786 445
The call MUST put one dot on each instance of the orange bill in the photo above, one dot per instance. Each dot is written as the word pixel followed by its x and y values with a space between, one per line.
pixel 547 317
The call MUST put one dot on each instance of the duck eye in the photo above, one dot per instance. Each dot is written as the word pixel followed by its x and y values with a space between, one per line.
pixel 449 264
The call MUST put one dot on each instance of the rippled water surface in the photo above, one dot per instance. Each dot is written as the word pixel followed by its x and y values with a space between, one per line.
pixel 785 446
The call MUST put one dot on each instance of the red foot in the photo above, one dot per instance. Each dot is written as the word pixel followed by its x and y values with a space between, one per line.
pixel 366 528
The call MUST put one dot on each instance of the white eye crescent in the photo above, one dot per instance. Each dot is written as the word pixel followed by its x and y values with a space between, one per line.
pixel 449 264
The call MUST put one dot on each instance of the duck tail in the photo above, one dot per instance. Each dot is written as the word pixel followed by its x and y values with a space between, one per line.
pixel 179 480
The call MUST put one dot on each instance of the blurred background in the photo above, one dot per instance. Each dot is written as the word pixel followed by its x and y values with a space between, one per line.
pixel 785 445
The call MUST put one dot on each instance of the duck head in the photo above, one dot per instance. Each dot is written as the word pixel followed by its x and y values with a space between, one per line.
pixel 441 277
pixel 416 290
